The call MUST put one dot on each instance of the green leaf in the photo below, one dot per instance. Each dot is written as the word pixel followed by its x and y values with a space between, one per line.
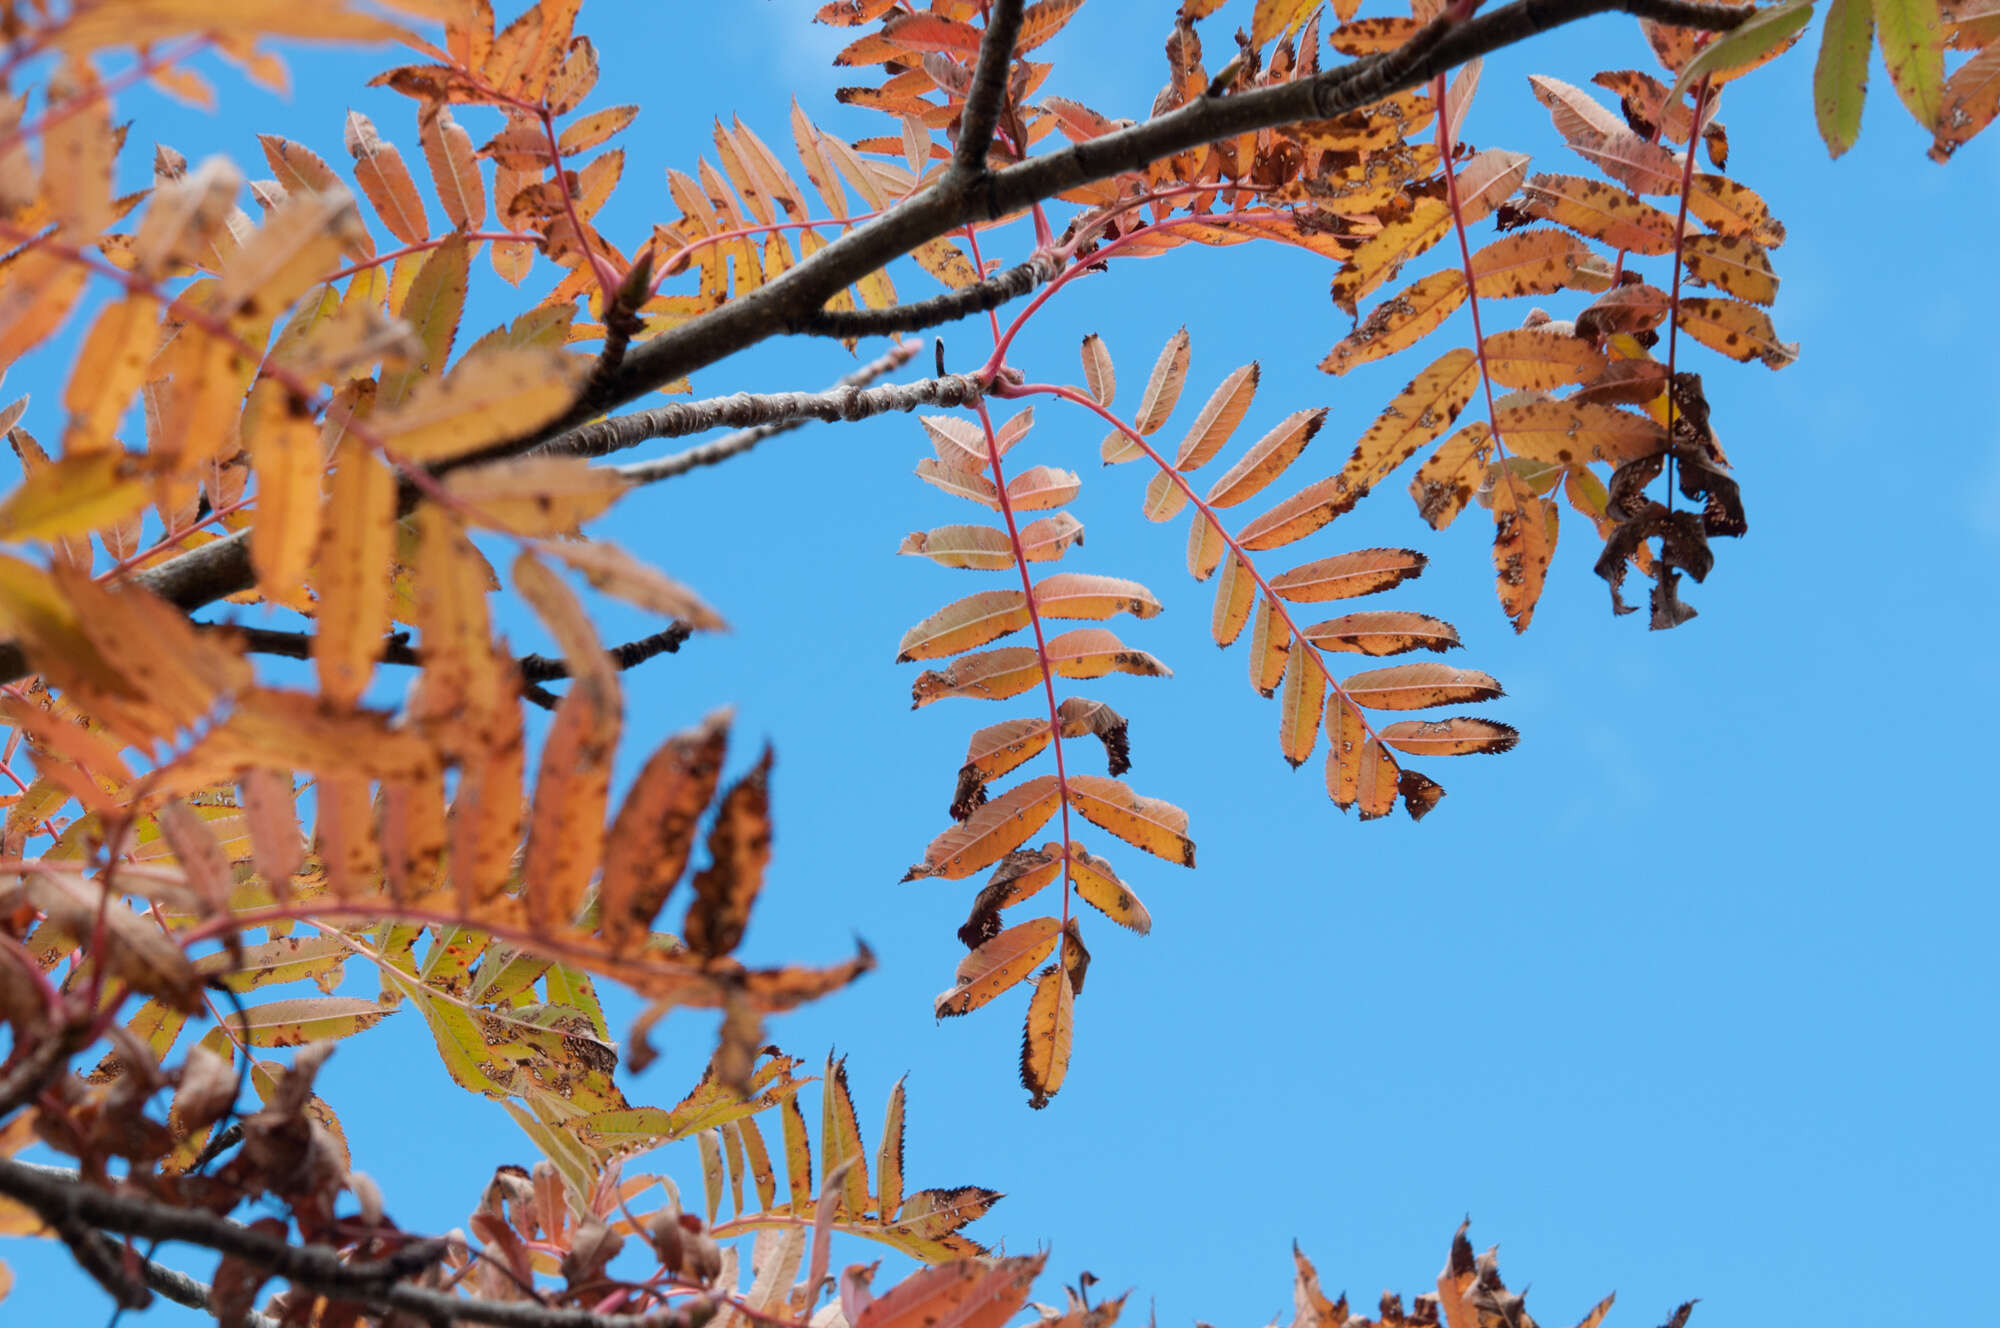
pixel 1913 48
pixel 1840 80
pixel 1749 43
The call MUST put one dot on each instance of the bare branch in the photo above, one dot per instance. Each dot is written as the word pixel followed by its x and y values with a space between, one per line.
pixel 615 435
pixel 534 668
pixel 781 408
pixel 60 1196
pixel 949 307
pixel 989 88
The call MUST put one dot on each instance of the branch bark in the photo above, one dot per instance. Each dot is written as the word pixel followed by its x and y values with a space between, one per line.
pixel 949 307
pixel 988 92
pixel 795 299
pixel 775 408
pixel 58 1196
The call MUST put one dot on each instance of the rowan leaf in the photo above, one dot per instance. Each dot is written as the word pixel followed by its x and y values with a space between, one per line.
pixel 1418 686
pixel 454 168
pixel 72 496
pixel 1099 886
pixel 1384 632
pixel 352 572
pixel 549 496
pixel 1524 541
pixel 1840 77
pixel 488 398
pixel 991 832
pixel 1045 1042
pixel 1235 596
pixel 1158 827
pixel 1740 331
pixel 385 179
pixel 997 965
pixel 617 573
pixel 1346 575
pixel 739 849
pixel 1735 263
pixel 1600 211
pixel 1098 374
pixel 1359 772
pixel 1400 321
pixel 1449 737
pixel 1163 385
pixel 963 624
pixel 1299 702
pixel 1266 459
pixel 1078 595
pixel 1540 359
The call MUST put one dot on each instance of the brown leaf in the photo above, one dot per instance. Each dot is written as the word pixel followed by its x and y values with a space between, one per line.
pixel 739 848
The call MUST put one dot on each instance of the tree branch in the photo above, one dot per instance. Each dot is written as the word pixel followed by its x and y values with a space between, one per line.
pixel 534 668
pixel 222 567
pixel 989 88
pixel 59 1196
pixel 949 307
pixel 776 408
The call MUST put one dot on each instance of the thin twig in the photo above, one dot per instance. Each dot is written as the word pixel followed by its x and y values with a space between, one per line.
pixel 989 88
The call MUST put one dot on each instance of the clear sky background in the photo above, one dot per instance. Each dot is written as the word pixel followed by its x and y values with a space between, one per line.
pixel 1689 996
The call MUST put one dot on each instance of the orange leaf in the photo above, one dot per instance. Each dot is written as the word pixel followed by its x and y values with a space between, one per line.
pixel 1163 386
pixel 1524 540
pixel 1418 686
pixel 1270 644
pixel 379 170
pixel 963 624
pixel 992 675
pixel 1077 595
pixel 352 574
pixel 1391 632
pixel 1346 575
pixel 997 965
pixel 454 168
pixel 1358 771
pixel 1400 321
pixel 994 830
pixel 1299 706
pixel 648 847
pixel 1235 595
pixel 1450 737
pixel 1218 418
pixel 1534 357
pixel 1045 1043
pixel 1158 827
pixel 1100 887
pixel 1267 458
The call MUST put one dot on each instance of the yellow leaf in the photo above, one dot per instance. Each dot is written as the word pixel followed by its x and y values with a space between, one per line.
pixel 73 496
pixel 1400 321
pixel 352 574
pixel 536 496
pixel 497 395
pixel 616 572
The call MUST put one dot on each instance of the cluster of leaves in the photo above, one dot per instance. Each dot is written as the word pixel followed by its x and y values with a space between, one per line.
pixel 288 388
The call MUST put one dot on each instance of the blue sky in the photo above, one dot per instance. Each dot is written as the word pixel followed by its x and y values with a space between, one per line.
pixel 1690 995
